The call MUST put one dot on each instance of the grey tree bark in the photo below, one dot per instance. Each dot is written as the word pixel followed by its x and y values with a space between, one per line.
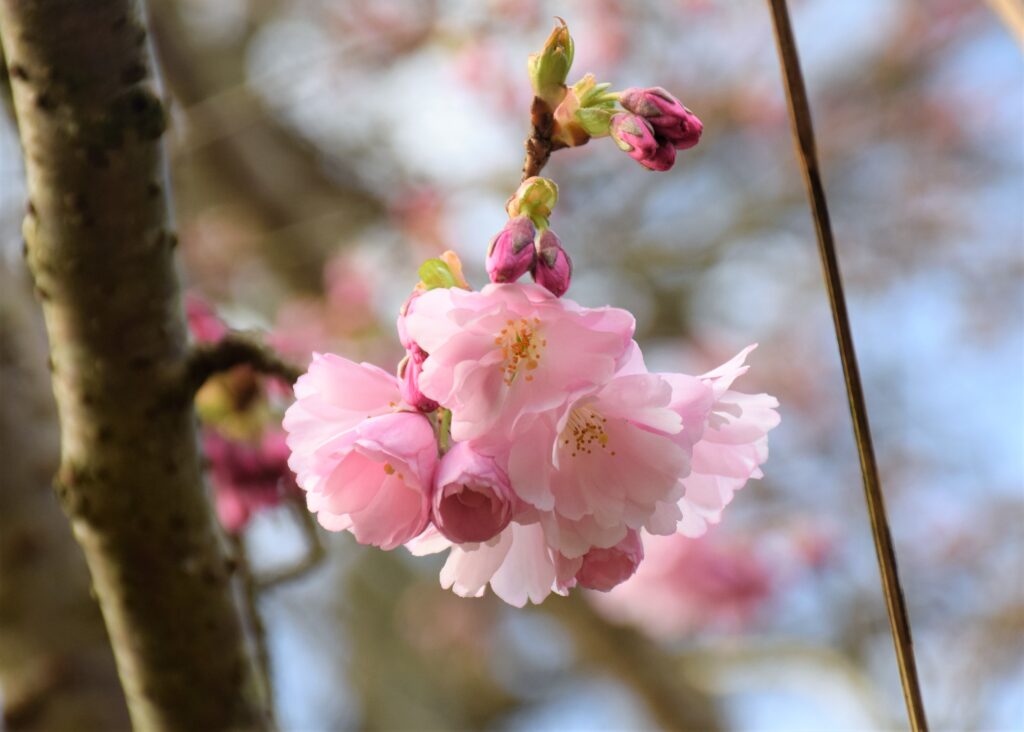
pixel 101 253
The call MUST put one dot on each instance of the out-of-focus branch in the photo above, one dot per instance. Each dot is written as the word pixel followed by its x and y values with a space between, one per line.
pixel 654 677
pixel 313 558
pixel 1011 13
pixel 56 668
pixel 233 350
pixel 284 181
pixel 102 261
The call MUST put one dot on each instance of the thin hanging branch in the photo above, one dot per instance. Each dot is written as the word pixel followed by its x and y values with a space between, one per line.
pixel 803 133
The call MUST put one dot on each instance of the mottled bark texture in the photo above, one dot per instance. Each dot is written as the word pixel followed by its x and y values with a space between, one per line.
pixel 56 668
pixel 101 256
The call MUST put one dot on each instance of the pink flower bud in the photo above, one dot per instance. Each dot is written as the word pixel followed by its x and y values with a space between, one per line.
pixel 670 120
pixel 510 255
pixel 636 138
pixel 553 268
pixel 473 498
pixel 409 373
pixel 603 569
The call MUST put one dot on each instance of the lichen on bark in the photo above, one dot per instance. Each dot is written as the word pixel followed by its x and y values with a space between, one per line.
pixel 100 250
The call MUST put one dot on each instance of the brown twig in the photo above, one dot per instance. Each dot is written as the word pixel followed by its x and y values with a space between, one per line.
pixel 538 145
pixel 804 135
pixel 250 593
pixel 235 349
pixel 314 557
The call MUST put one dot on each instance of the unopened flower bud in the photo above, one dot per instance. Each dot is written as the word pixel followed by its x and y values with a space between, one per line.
pixel 549 68
pixel 473 499
pixel 510 255
pixel 536 197
pixel 603 569
pixel 553 268
pixel 669 118
pixel 636 138
pixel 409 371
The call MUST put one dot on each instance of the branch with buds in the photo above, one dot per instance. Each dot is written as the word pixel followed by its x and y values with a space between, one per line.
pixel 649 124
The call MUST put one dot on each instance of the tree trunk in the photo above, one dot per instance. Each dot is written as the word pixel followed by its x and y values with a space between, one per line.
pixel 101 255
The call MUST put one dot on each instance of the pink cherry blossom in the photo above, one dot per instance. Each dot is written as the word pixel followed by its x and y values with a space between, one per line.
pixel 733 445
pixel 365 467
pixel 518 565
pixel 247 477
pixel 473 500
pixel 603 569
pixel 512 350
pixel 602 465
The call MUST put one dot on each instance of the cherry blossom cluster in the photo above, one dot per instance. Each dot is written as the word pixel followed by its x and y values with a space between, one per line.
pixel 533 442
pixel 523 432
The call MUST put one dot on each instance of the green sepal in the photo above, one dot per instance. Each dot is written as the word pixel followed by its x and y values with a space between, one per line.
pixel 435 273
pixel 596 122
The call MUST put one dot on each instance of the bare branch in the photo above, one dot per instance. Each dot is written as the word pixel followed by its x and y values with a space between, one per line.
pixel 236 349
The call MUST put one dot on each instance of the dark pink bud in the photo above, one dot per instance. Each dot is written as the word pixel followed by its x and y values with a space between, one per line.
pixel 473 499
pixel 663 159
pixel 510 255
pixel 636 138
pixel 668 117
pixel 553 268
pixel 409 373
pixel 603 569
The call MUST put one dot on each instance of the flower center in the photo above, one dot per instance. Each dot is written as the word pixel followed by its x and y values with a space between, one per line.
pixel 584 431
pixel 520 344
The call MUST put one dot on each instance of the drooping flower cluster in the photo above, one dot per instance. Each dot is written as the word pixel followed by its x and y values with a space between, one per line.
pixel 553 447
pixel 523 432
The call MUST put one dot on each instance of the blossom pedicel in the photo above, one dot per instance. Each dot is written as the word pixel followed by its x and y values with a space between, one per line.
pixel 524 434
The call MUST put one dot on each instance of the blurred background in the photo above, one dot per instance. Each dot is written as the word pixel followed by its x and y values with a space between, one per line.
pixel 321 150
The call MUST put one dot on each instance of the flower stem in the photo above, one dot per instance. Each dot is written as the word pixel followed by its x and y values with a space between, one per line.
pixel 538 144
pixel 803 133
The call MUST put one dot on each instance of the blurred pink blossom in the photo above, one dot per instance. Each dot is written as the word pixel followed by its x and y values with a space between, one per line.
pixel 688 584
pixel 203 321
pixel 247 476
